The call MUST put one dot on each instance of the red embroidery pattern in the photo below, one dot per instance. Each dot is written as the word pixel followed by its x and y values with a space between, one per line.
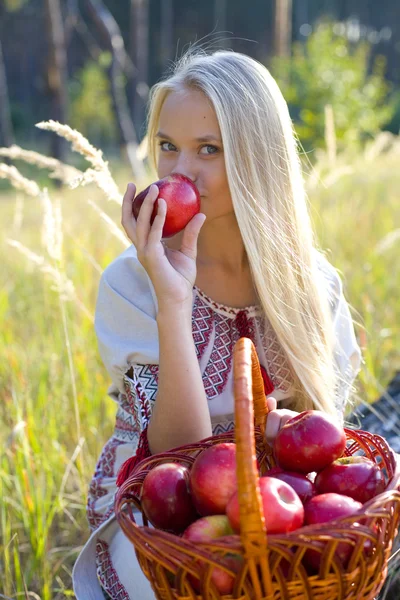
pixel 218 368
pixel 95 518
pixel 223 427
pixel 201 326
pixel 124 428
pixel 227 332
pixel 104 468
pixel 106 573
pixel 227 309
pixel 277 365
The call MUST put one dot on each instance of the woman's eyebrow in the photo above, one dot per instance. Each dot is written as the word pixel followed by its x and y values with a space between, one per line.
pixel 204 138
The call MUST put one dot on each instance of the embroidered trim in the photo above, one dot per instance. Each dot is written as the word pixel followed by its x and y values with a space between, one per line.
pixel 107 575
pixel 227 309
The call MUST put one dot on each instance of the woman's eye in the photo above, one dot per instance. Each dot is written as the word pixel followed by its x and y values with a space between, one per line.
pixel 166 149
pixel 214 149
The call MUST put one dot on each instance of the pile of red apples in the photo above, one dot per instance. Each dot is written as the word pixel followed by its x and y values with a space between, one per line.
pixel 312 483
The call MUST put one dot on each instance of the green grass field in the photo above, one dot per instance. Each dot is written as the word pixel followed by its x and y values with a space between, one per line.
pixel 55 413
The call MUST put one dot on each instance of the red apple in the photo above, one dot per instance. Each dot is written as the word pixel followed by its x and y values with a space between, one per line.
pixel 283 509
pixel 208 528
pixel 310 441
pixel 328 507
pixel 344 550
pixel 354 476
pixel 303 487
pixel 166 499
pixel 223 581
pixel 182 198
pixel 213 479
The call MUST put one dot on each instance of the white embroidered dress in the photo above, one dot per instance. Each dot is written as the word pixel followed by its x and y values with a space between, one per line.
pixel 127 334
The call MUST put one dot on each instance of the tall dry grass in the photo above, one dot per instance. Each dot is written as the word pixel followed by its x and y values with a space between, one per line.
pixel 55 414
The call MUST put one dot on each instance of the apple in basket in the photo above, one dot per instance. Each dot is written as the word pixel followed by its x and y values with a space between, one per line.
pixel 354 476
pixel 182 198
pixel 322 509
pixel 207 529
pixel 308 442
pixel 213 478
pixel 165 498
pixel 304 488
pixel 283 509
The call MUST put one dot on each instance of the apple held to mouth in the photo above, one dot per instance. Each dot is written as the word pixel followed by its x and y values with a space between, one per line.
pixel 354 476
pixel 165 498
pixel 308 442
pixel 182 198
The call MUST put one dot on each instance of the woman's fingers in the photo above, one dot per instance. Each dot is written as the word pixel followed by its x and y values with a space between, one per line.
pixel 143 221
pixel 127 219
pixel 271 403
pixel 156 229
pixel 276 420
pixel 273 426
pixel 191 234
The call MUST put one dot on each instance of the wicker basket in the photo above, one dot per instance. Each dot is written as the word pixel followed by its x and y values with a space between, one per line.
pixel 272 566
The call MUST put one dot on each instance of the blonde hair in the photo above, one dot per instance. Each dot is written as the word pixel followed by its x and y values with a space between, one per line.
pixel 267 190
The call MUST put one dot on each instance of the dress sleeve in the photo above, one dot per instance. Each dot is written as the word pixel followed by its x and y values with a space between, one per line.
pixel 347 352
pixel 125 318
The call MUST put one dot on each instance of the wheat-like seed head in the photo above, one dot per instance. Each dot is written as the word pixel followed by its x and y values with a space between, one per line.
pixel 19 181
pixel 113 227
pixel 100 174
pixel 61 284
pixel 103 180
pixel 79 142
pixel 58 169
pixel 52 234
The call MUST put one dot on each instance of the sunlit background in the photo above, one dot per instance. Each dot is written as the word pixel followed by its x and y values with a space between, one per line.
pixel 89 65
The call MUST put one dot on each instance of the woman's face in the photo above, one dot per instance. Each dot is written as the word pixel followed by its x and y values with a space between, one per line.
pixel 189 142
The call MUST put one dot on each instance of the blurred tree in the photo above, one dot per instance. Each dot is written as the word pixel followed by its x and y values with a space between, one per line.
pixel 167 31
pixel 139 51
pixel 220 18
pixel 330 70
pixel 120 67
pixel 14 5
pixel 6 128
pixel 91 104
pixel 283 27
pixel 56 72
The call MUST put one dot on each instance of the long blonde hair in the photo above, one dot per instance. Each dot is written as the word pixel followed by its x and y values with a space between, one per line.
pixel 267 190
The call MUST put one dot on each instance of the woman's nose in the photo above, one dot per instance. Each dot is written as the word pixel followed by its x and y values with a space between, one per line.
pixel 186 166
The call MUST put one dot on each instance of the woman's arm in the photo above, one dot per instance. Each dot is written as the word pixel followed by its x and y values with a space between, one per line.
pixel 180 414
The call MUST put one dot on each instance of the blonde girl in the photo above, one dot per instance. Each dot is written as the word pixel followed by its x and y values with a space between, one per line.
pixel 169 311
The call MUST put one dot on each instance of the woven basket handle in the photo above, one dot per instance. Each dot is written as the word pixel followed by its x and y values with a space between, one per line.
pixel 249 401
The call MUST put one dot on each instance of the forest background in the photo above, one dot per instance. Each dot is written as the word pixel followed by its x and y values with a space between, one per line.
pixel 89 65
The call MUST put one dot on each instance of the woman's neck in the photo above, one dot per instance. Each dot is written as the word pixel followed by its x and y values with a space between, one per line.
pixel 220 248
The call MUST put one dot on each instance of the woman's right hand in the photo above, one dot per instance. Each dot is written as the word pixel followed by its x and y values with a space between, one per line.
pixel 172 272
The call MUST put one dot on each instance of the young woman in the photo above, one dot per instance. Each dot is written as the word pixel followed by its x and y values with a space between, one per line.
pixel 170 311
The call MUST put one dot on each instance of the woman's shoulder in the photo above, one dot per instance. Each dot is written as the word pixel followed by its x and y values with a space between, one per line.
pixel 126 277
pixel 330 278
pixel 124 265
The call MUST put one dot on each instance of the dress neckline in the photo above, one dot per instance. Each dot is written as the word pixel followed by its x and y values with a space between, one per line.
pixel 255 308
